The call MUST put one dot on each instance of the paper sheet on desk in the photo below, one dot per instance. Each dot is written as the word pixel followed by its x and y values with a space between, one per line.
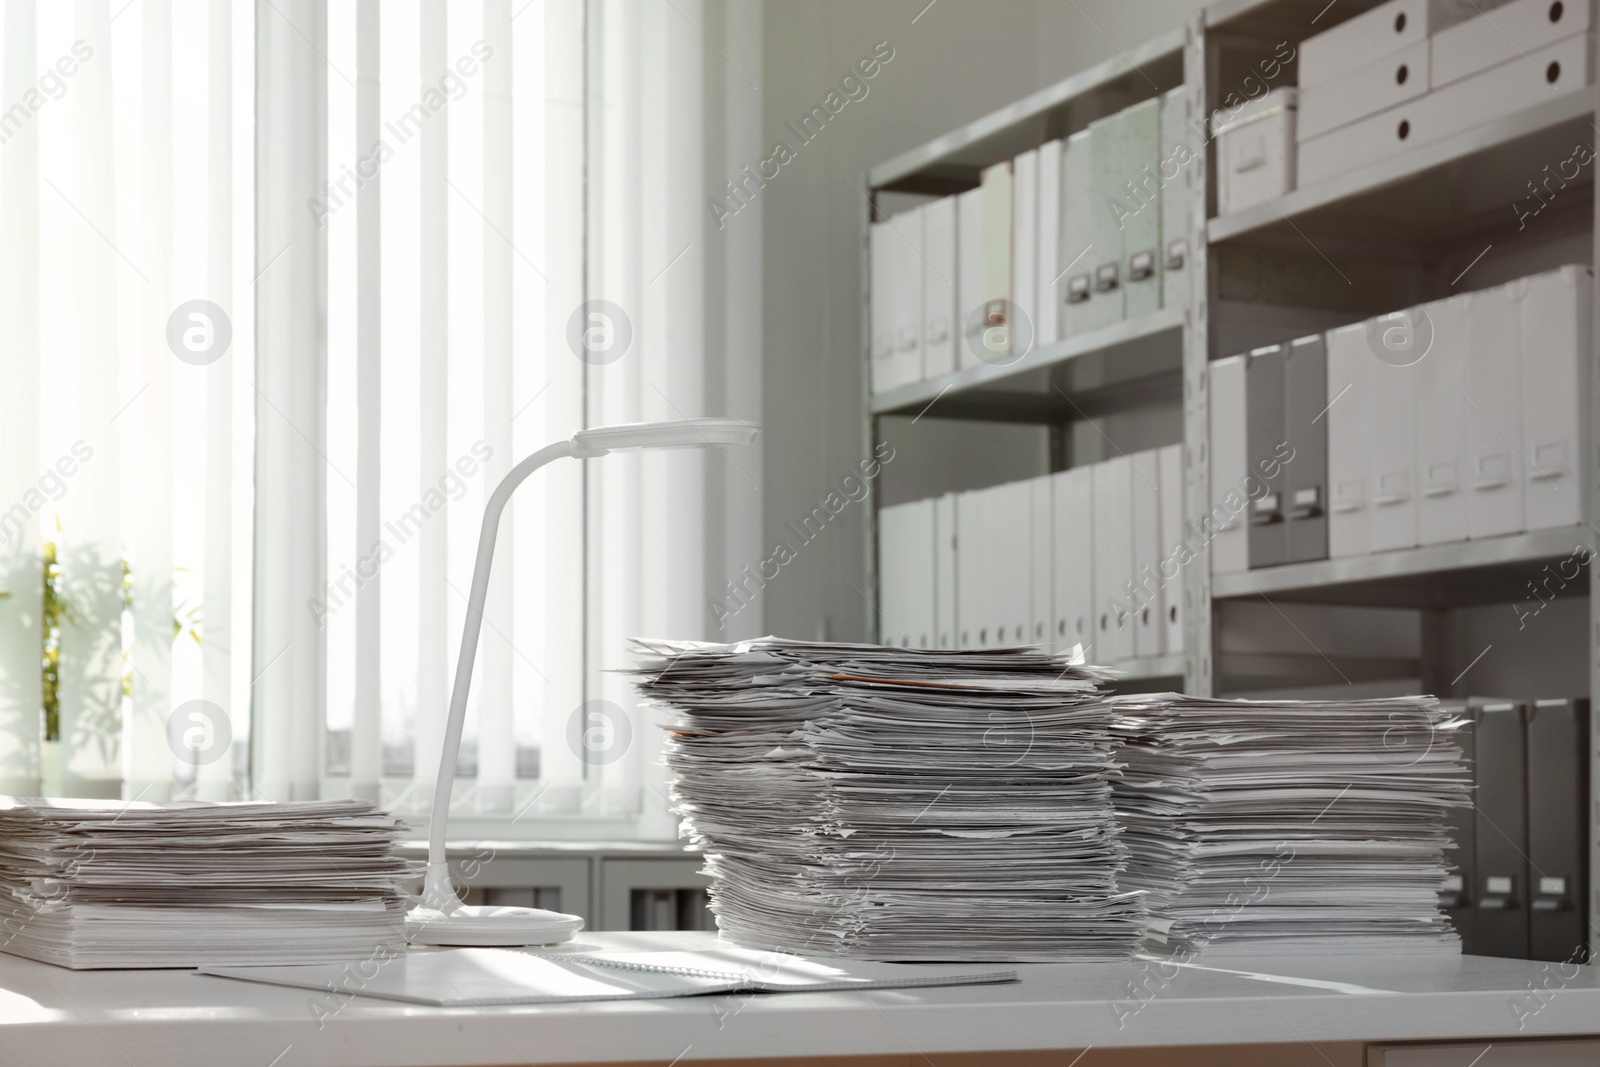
pixel 479 977
pixel 782 972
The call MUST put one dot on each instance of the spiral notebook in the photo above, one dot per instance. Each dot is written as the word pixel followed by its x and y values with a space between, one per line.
pixel 477 977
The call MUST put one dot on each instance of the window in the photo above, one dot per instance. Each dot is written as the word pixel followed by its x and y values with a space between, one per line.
pixel 287 288
pixel 126 242
pixel 454 193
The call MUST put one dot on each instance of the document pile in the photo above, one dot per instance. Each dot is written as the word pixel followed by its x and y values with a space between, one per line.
pixel 1290 825
pixel 87 883
pixel 898 804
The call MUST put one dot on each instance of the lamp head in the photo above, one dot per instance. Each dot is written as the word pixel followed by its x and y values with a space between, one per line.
pixel 687 433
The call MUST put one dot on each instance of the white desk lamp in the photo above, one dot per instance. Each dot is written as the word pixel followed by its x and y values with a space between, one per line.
pixel 441 918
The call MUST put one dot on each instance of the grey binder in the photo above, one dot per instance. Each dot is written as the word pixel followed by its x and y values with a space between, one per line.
pixel 1305 477
pixel 1558 830
pixel 1457 896
pixel 1265 437
pixel 1502 830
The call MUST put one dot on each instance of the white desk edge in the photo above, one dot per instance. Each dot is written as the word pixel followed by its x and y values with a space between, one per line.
pixel 177 1018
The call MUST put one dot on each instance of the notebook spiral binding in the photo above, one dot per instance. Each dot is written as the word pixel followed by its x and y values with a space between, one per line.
pixel 652 968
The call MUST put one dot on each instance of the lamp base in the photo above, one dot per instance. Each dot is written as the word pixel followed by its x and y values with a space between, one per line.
pixel 490 926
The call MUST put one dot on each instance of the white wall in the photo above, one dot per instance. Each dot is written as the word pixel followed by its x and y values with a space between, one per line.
pixel 953 62
pixel 1074 34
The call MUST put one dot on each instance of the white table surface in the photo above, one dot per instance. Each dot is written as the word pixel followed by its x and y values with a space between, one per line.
pixel 178 1018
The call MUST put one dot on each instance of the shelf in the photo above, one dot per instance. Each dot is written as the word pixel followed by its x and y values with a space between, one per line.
pixel 1130 364
pixel 1468 572
pixel 1243 671
pixel 1148 667
pixel 957 157
pixel 1428 195
pixel 1293 20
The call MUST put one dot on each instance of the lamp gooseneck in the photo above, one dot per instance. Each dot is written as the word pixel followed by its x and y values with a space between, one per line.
pixel 440 918
pixel 436 890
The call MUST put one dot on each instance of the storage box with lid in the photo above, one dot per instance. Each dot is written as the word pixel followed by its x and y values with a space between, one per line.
pixel 1255 150
pixel 1387 28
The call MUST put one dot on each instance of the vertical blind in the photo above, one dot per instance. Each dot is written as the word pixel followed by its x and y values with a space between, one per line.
pixel 126 250
pixel 286 288
pixel 506 184
pixel 453 197
pixel 670 109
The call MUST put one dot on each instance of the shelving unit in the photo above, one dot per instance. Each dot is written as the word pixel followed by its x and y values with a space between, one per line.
pixel 953 162
pixel 1469 572
pixel 1427 190
pixel 1151 668
pixel 1140 355
pixel 1409 229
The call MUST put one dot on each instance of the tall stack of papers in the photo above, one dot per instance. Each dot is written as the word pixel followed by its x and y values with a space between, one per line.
pixel 898 804
pixel 88 884
pixel 1290 825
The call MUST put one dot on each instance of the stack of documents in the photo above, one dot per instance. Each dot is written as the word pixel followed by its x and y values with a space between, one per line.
pixel 86 883
pixel 898 804
pixel 1290 825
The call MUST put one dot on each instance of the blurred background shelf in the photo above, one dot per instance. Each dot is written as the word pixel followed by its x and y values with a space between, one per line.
pixel 1431 195
pixel 1136 361
pixel 1148 667
pixel 1467 572
pixel 1281 19
pixel 1241 672
pixel 1471 212
pixel 952 162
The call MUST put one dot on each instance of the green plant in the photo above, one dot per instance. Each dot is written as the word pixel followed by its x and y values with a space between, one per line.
pixel 92 581
pixel 85 587
pixel 51 640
